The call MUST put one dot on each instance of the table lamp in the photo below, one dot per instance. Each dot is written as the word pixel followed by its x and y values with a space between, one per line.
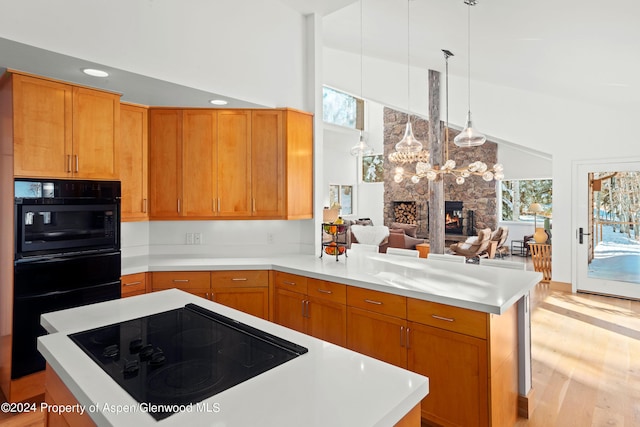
pixel 540 236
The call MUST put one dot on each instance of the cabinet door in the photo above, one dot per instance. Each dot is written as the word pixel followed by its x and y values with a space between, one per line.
pixel 456 365
pixel 133 162
pixel 299 165
pixel 267 164
pixel 133 284
pixel 377 335
pixel 234 163
pixel 254 301
pixel 96 134
pixel 42 112
pixel 288 309
pixel 165 160
pixel 199 163
pixel 327 321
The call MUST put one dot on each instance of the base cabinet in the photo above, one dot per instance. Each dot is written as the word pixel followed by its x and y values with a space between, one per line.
pixel 456 366
pixel 133 284
pixel 315 307
pixel 247 291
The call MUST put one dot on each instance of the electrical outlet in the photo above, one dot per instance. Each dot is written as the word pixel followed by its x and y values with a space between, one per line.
pixel 270 238
pixel 189 238
pixel 197 238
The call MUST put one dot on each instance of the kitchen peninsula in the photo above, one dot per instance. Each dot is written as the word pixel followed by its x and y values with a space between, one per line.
pixel 456 324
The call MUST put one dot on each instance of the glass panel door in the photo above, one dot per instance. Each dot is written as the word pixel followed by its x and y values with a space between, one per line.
pixel 608 233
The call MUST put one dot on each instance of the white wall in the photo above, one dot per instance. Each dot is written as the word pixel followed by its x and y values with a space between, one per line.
pixel 565 129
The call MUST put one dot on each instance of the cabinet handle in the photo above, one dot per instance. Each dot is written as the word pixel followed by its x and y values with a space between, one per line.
pixel 401 336
pixel 77 163
pixel 68 163
pixel 178 205
pixel 446 319
pixel 180 280
pixel 370 301
pixel 131 284
pixel 218 205
pixel 324 291
pixel 213 205
pixel 144 205
pixel 302 307
pixel 253 205
pixel 289 283
pixel 212 296
pixel 407 339
pixel 239 279
pixel 306 304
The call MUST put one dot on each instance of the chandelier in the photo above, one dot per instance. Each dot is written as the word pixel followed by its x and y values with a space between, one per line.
pixel 431 173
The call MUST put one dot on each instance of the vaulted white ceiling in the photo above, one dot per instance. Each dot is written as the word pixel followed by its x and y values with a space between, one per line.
pixel 584 50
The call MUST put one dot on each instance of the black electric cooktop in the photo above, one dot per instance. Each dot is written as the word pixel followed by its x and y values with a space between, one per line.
pixel 183 356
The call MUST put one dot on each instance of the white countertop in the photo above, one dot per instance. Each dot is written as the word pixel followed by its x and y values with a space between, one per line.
pixel 328 386
pixel 476 287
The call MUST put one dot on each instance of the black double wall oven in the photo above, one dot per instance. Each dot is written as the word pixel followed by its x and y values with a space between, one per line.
pixel 67 254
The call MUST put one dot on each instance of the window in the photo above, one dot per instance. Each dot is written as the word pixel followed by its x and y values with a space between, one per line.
pixel 519 194
pixel 342 109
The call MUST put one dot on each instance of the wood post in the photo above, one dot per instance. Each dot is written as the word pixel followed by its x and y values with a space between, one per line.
pixel 436 188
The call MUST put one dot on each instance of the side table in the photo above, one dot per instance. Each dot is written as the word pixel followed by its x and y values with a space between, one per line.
pixel 518 247
pixel 424 249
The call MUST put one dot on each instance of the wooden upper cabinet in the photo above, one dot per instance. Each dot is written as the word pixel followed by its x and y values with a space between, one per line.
pixel 96 134
pixel 199 163
pixel 64 131
pixel 42 117
pixel 165 163
pixel 299 164
pixel 267 163
pixel 234 163
pixel 134 158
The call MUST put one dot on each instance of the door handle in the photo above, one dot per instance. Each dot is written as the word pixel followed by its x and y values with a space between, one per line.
pixel 581 233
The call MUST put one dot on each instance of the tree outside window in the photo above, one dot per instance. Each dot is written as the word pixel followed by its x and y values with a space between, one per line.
pixel 518 195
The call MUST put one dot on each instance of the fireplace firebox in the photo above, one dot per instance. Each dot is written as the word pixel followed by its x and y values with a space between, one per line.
pixel 453 217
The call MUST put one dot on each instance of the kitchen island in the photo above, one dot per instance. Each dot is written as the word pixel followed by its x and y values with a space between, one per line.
pixel 329 385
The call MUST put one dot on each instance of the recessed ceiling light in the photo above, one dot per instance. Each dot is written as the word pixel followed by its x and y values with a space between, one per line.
pixel 219 102
pixel 95 73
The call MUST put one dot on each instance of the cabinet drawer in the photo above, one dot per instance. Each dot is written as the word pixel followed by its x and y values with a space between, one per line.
pixel 133 284
pixel 291 282
pixel 240 279
pixel 181 280
pixel 379 302
pixel 469 322
pixel 329 291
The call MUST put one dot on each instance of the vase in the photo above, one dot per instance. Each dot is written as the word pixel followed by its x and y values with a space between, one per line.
pixel 540 236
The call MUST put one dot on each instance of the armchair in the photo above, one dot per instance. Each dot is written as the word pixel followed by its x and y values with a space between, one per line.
pixel 500 237
pixel 473 247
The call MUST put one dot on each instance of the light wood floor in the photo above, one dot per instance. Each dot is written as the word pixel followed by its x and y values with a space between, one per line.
pixel 586 361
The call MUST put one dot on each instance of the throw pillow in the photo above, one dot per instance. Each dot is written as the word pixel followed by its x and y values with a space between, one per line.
pixel 468 243
pixel 409 229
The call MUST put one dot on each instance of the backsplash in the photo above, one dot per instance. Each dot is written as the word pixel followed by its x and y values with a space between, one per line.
pixel 218 238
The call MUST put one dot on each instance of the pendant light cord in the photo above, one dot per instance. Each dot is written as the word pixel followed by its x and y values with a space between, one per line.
pixel 469 3
pixel 408 61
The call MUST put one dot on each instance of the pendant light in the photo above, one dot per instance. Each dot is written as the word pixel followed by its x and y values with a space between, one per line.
pixel 469 137
pixel 361 148
pixel 409 143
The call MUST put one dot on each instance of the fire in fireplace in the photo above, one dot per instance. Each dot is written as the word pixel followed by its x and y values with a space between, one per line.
pixel 453 218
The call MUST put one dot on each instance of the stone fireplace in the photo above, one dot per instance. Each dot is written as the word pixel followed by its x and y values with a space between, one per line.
pixel 453 218
pixel 478 197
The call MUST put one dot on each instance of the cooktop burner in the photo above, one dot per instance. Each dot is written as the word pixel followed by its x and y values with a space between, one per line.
pixel 183 356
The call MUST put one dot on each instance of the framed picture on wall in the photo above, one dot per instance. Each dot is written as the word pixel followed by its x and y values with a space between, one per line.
pixel 372 168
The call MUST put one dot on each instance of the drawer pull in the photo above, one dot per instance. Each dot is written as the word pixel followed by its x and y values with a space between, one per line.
pixel 180 280
pixel 324 291
pixel 407 339
pixel 370 301
pixel 239 279
pixel 131 284
pixel 446 319
pixel 401 336
pixel 289 283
